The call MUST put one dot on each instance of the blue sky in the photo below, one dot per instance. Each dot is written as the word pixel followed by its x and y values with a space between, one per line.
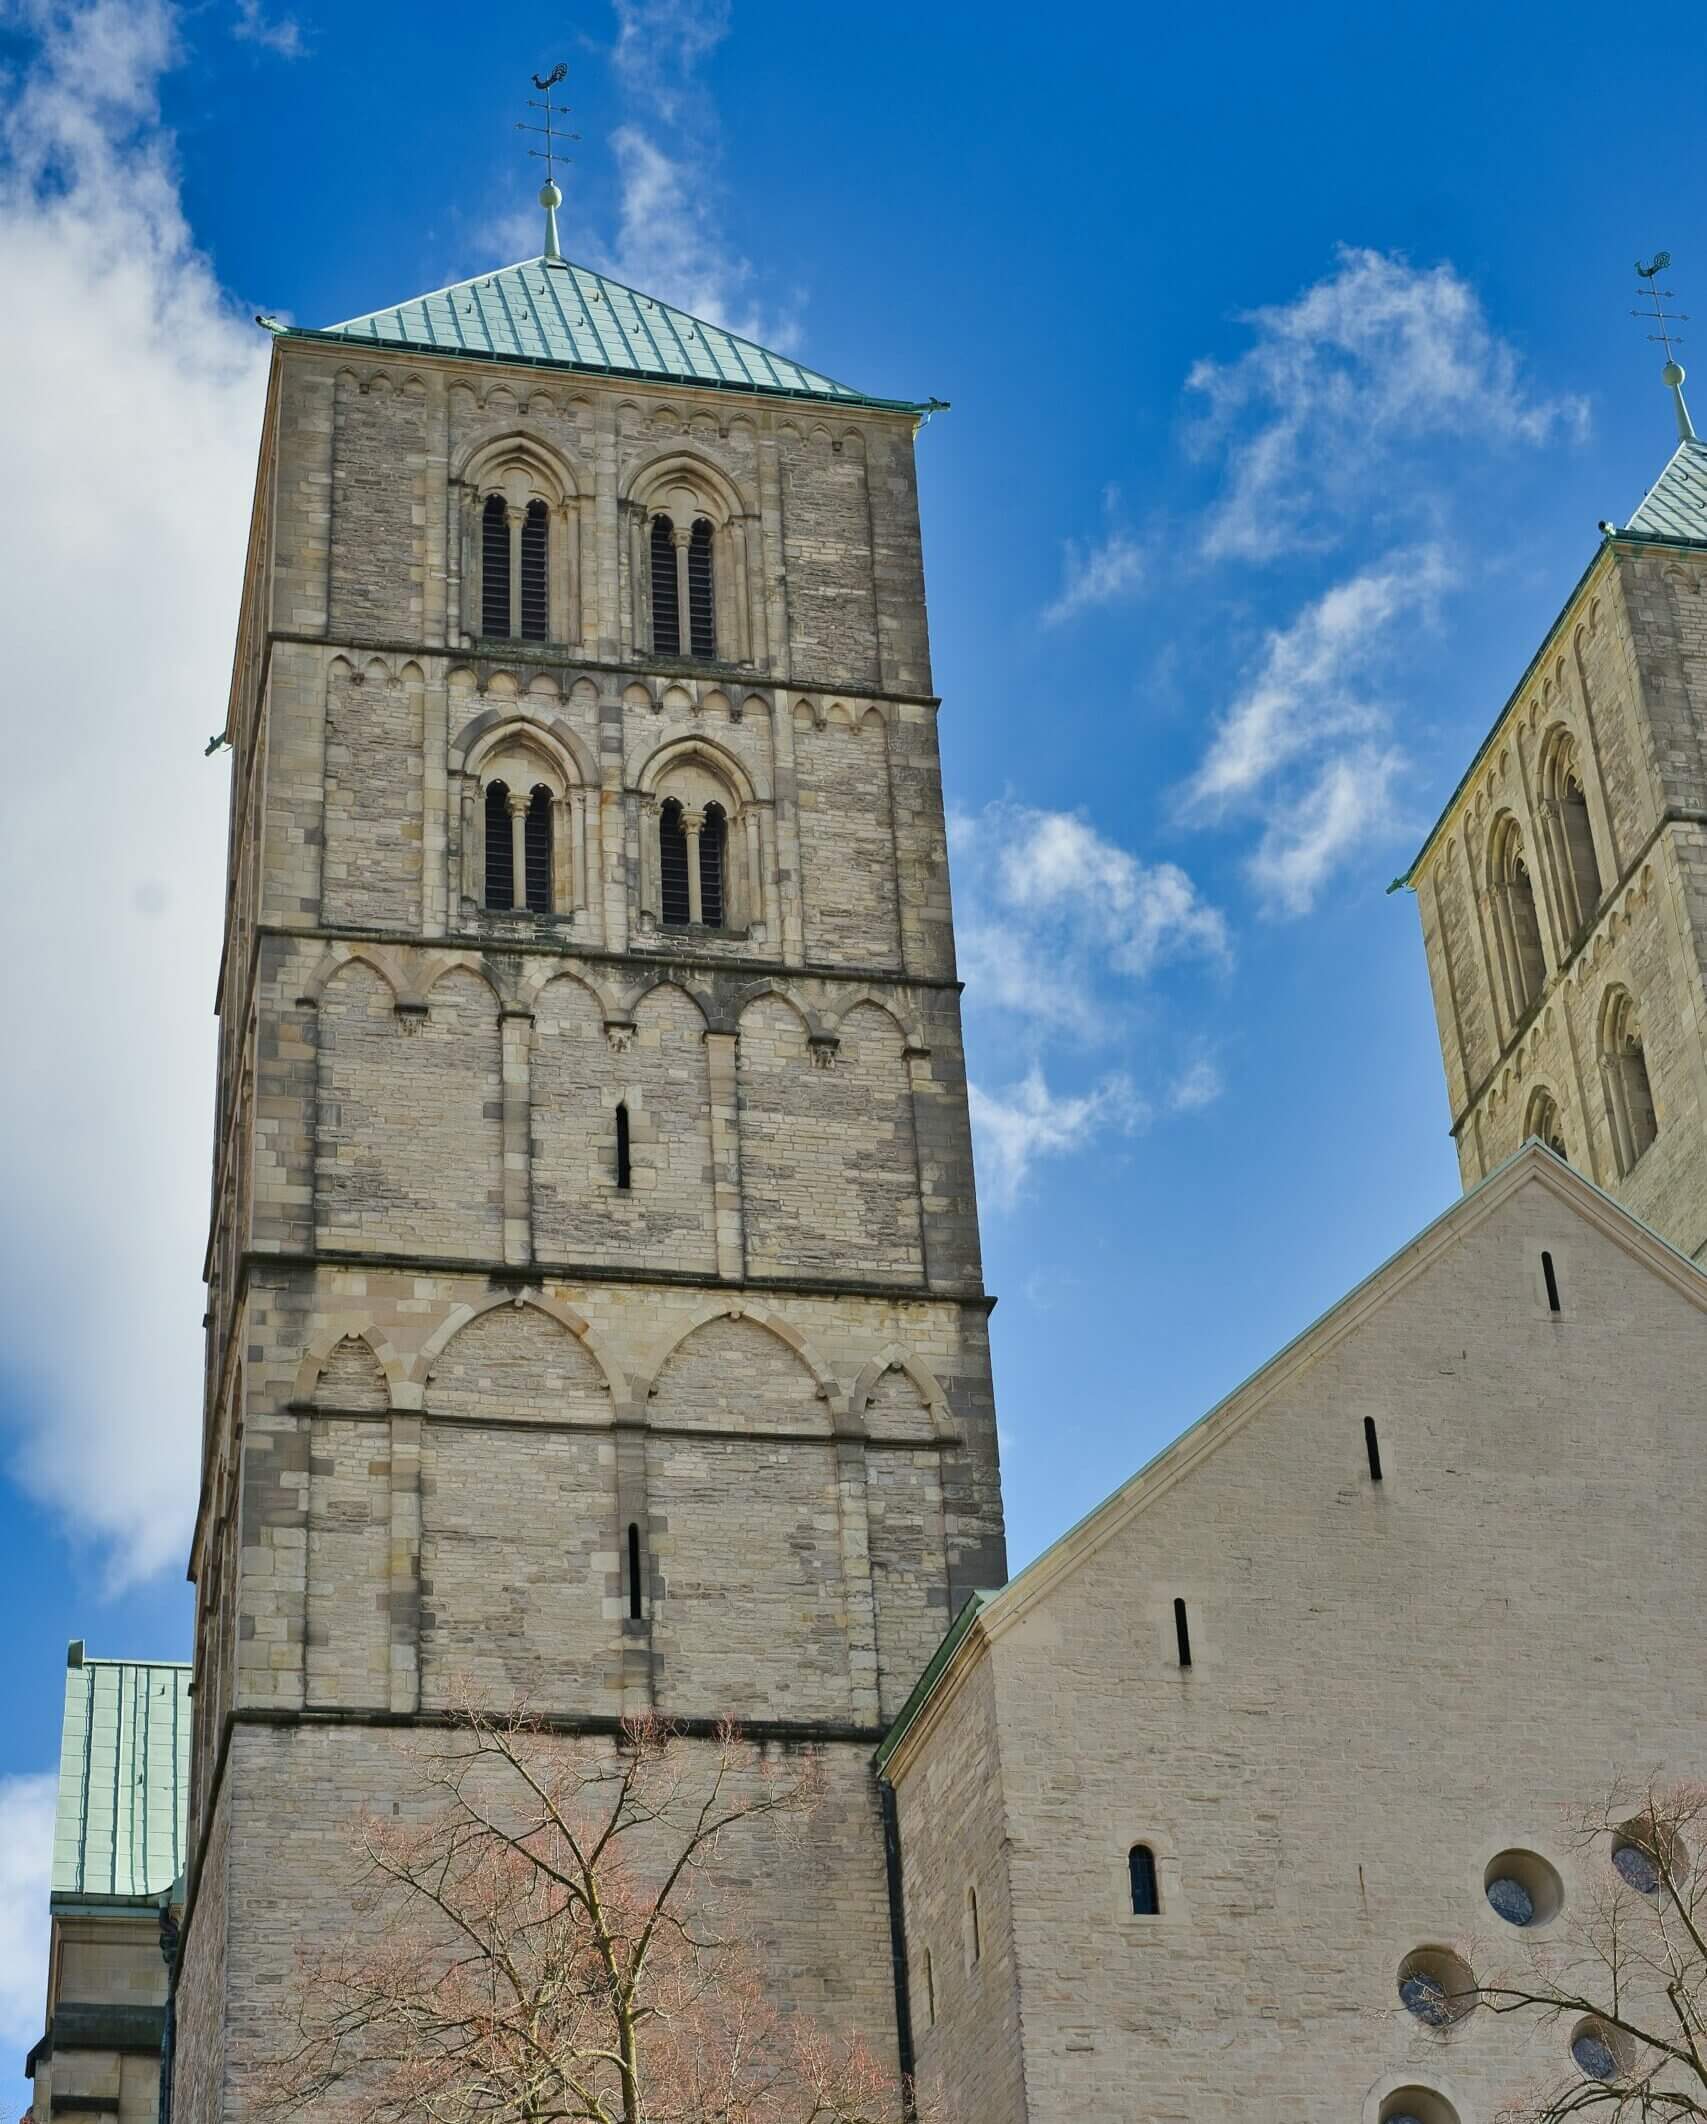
pixel 1291 370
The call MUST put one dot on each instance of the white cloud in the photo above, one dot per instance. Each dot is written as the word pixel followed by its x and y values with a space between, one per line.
pixel 1377 357
pixel 282 36
pixel 1013 1129
pixel 1097 572
pixel 1348 803
pixel 660 44
pixel 1198 1085
pixel 129 412
pixel 1306 688
pixel 26 1867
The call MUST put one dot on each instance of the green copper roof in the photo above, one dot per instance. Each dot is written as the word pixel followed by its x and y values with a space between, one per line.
pixel 1675 506
pixel 124 1762
pixel 573 318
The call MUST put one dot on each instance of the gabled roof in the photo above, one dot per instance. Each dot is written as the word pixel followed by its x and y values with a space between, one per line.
pixel 1675 506
pixel 569 317
pixel 124 1763
pixel 986 1616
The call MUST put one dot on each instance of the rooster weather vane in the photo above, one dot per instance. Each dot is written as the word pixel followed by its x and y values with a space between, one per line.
pixel 1658 315
pixel 550 153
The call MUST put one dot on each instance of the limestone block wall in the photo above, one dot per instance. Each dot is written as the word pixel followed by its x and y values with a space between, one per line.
pixel 1391 1684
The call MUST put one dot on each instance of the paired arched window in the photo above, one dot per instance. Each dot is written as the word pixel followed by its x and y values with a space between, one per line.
pixel 1541 1120
pixel 518 847
pixel 693 865
pixel 684 598
pixel 1141 1876
pixel 1624 1066
pixel 515 570
pixel 1517 929
pixel 1570 837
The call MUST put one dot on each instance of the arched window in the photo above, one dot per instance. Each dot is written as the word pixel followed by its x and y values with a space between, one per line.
pixel 1141 1871
pixel 1629 1096
pixel 536 579
pixel 675 908
pixel 537 850
pixel 495 567
pixel 1543 1123
pixel 624 1164
pixel 1576 867
pixel 702 603
pixel 666 598
pixel 713 850
pixel 500 848
pixel 1515 924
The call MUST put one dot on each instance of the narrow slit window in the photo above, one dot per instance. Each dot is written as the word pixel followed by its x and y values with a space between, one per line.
pixel 713 848
pixel 500 848
pixel 974 1937
pixel 634 1609
pixel 666 602
pixel 673 867
pixel 1551 1280
pixel 624 1171
pixel 536 594
pixel 536 850
pixel 1141 1870
pixel 930 1990
pixel 1372 1446
pixel 1182 1633
pixel 495 567
pixel 702 608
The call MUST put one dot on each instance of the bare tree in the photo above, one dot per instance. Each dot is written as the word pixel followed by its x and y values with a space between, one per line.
pixel 540 1943
pixel 1625 1980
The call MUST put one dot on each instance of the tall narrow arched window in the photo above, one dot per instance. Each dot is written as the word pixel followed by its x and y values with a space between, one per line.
pixel 536 580
pixel 666 597
pixel 495 567
pixel 536 851
pixel 1141 1872
pixel 500 848
pixel 1516 926
pixel 1629 1095
pixel 702 598
pixel 713 863
pixel 1576 867
pixel 676 905
pixel 1542 1121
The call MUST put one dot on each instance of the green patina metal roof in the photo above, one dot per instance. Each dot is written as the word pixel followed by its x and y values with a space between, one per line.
pixel 124 1762
pixel 1675 506
pixel 573 318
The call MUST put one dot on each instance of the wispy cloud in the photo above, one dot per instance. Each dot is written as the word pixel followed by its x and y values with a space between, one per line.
pixel 104 1144
pixel 1377 357
pixel 1349 803
pixel 1094 572
pixel 1013 1129
pixel 26 1866
pixel 281 34
pixel 1198 1085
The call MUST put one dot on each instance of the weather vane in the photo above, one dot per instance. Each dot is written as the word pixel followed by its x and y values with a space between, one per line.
pixel 550 196
pixel 1658 314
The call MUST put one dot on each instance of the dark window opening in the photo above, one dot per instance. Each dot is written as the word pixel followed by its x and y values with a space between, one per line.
pixel 536 595
pixel 500 854
pixel 675 908
pixel 495 567
pixel 1182 1633
pixel 974 1938
pixel 634 1609
pixel 536 850
pixel 713 847
pixel 1141 1867
pixel 702 607
pixel 1552 1283
pixel 624 1171
pixel 666 604
pixel 1372 1446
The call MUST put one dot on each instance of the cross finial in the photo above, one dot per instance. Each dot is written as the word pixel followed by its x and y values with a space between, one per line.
pixel 550 196
pixel 1658 314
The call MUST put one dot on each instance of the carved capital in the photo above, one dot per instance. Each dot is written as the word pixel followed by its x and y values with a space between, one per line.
pixel 619 1032
pixel 823 1048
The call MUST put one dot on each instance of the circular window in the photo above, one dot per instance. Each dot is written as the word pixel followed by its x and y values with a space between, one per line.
pixel 1645 1852
pixel 1417 2105
pixel 1522 1888
pixel 1601 2053
pixel 1436 1986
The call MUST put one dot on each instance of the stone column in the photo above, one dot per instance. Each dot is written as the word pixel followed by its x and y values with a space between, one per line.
pixel 681 539
pixel 650 881
pixel 586 603
pixel 754 882
pixel 721 1053
pixel 515 518
pixel 518 806
pixel 693 823
pixel 516 1029
pixel 741 539
pixel 563 855
pixel 560 626
pixel 472 849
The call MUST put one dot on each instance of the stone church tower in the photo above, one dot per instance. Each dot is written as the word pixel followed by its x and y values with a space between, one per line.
pixel 1564 889
pixel 595 1303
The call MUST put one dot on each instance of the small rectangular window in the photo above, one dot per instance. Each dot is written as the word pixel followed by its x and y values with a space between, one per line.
pixel 1372 1446
pixel 634 1607
pixel 1182 1633
pixel 1552 1283
pixel 624 1170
